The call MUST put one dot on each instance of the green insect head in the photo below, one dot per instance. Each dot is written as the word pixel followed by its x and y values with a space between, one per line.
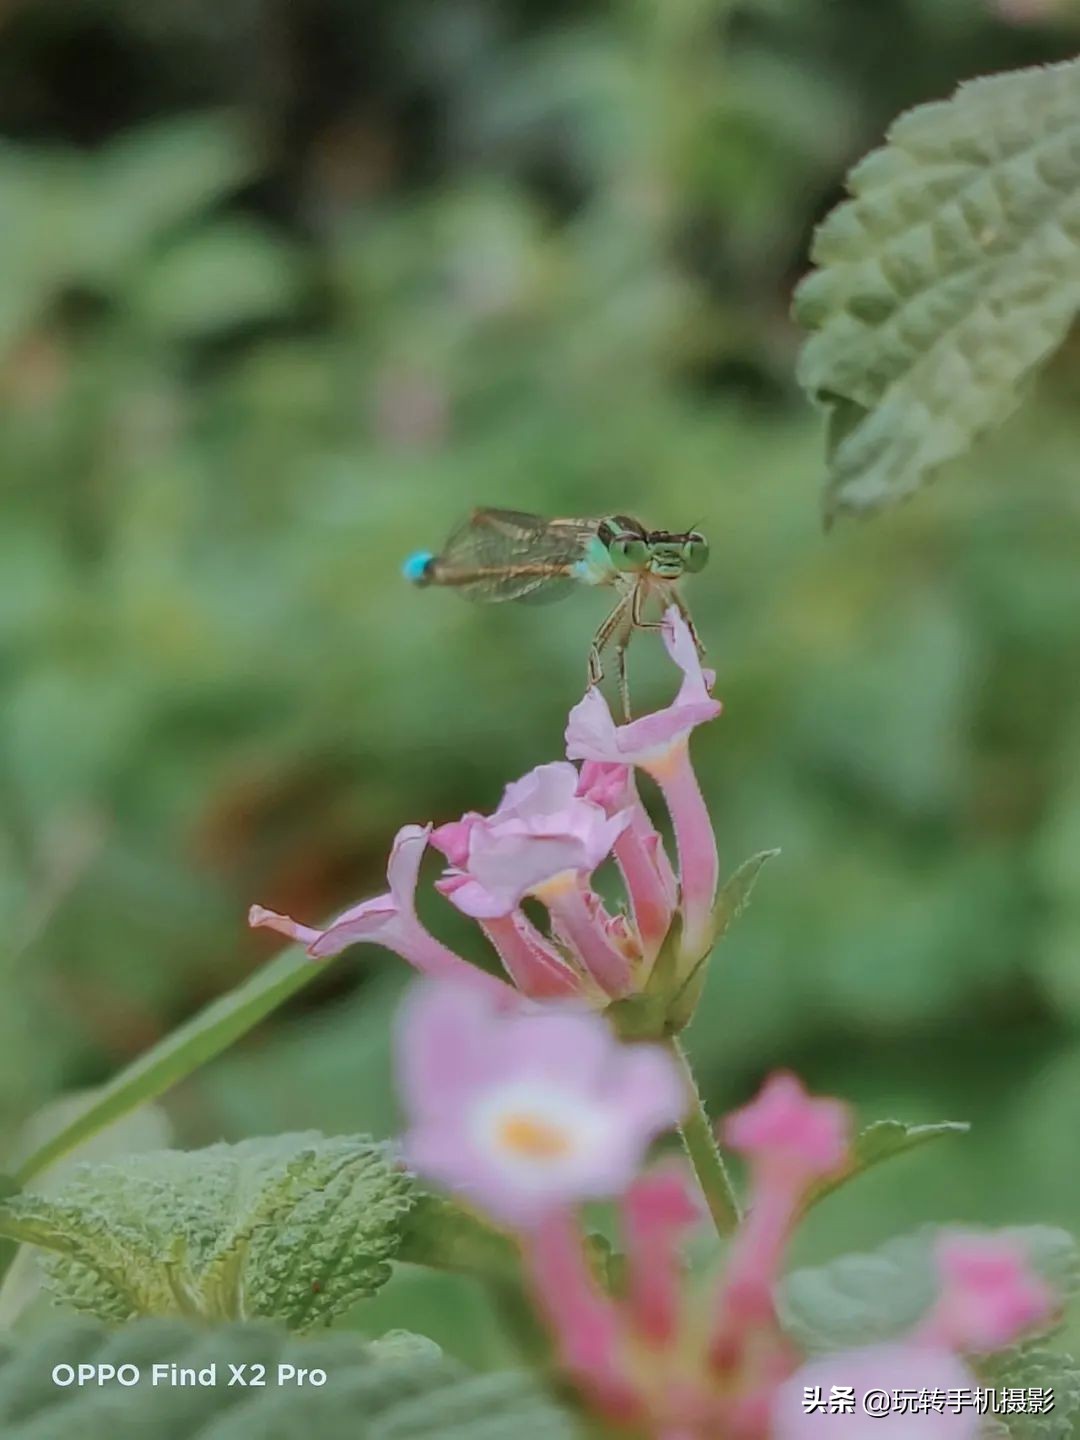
pixel 662 553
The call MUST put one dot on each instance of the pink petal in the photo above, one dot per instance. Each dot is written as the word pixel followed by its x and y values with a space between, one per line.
pixel 581 929
pixel 403 867
pixel 260 917
pixel 651 887
pixel 570 1048
pixel 650 1088
pixel 543 791
pixel 878 1368
pixel 787 1130
pixel 534 966
pixel 679 643
pixel 452 839
pixel 584 1319
pixel 990 1296
pixel 608 785
pixel 506 866
pixel 656 1211
pixel 699 862
pixel 442 1052
pixel 373 921
pixel 591 733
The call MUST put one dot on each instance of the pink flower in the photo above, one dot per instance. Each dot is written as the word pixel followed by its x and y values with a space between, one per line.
pixel 790 1140
pixel 549 833
pixel 989 1294
pixel 389 920
pixel 543 840
pixel 657 1211
pixel 585 1321
pixel 522 1114
pixel 658 744
pixel 541 832
pixel 633 1357
pixel 651 886
pixel 790 1137
pixel 801 1406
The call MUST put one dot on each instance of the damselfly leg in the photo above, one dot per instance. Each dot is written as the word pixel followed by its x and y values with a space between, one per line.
pixel 628 616
pixel 617 628
pixel 681 606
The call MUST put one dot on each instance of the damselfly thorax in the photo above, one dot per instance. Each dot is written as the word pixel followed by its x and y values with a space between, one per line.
pixel 499 555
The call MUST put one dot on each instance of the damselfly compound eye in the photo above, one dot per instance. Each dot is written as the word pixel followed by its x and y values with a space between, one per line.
pixel 628 552
pixel 695 553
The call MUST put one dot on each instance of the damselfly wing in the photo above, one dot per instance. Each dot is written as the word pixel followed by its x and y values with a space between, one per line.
pixel 507 555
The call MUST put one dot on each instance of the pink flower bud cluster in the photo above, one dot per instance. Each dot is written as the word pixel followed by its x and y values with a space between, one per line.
pixel 551 831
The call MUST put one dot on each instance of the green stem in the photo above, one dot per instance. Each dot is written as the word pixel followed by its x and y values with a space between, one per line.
pixel 704 1154
pixel 521 1324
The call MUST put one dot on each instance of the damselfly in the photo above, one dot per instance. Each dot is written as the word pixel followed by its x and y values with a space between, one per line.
pixel 508 555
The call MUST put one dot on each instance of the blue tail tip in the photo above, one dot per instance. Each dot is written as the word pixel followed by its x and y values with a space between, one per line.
pixel 417 568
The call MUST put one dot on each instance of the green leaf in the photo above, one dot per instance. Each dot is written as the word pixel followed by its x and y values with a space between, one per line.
pixel 951 274
pixel 404 1345
pixel 147 1128
pixel 371 1391
pixel 730 903
pixel 880 1141
pixel 863 1299
pixel 73 218
pixel 735 893
pixel 1035 1367
pixel 227 274
pixel 152 179
pixel 297 1228
pixel 205 1035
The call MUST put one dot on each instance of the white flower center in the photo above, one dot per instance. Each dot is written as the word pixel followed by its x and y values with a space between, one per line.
pixel 538 1134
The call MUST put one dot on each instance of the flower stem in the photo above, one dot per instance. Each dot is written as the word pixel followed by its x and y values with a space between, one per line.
pixel 520 1324
pixel 704 1154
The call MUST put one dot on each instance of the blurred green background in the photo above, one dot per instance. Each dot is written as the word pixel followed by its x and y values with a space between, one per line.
pixel 286 288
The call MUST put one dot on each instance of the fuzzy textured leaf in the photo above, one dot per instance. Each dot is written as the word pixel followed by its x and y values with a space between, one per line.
pixel 881 1141
pixel 297 1227
pixel 863 1299
pixel 948 277
pixel 388 1390
pixel 1035 1367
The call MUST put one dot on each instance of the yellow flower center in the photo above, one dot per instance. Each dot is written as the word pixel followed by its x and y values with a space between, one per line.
pixel 533 1138
pixel 557 885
